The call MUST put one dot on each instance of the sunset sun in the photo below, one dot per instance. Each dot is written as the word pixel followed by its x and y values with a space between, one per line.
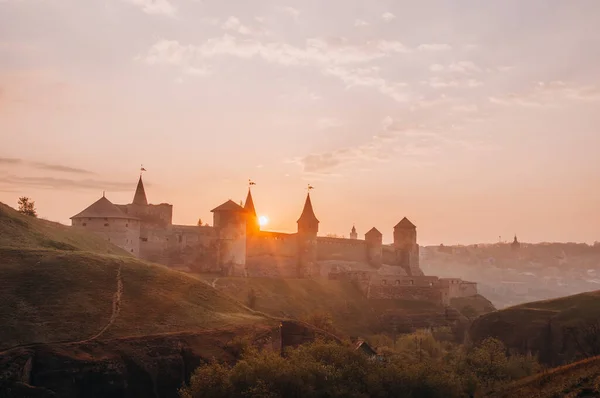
pixel 263 220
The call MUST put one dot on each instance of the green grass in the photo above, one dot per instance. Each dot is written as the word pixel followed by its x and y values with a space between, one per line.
pixel 57 284
pixel 25 232
pixel 540 326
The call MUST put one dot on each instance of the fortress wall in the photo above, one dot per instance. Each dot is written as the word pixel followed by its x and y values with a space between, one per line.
pixel 388 255
pixel 430 294
pixel 161 214
pixel 272 254
pixel 400 280
pixel 124 233
pixel 467 289
pixel 341 249
pixel 154 243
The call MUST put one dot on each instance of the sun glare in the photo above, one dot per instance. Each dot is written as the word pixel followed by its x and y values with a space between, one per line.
pixel 263 220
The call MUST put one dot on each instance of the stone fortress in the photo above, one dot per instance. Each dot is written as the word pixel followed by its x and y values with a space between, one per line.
pixel 236 246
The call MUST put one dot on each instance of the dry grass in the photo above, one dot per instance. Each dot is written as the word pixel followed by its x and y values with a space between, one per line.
pixel 579 379
pixel 352 313
pixel 25 232
pixel 57 284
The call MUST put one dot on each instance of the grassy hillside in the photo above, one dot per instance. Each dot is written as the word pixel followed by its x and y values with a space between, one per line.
pixel 58 285
pixel 24 232
pixel 352 313
pixel 579 379
pixel 544 327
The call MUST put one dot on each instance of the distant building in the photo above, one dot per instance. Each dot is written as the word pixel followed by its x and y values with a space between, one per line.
pixel 515 245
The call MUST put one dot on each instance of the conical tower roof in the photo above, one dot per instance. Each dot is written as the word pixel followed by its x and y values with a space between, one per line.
pixel 308 214
pixel 373 232
pixel 102 208
pixel 405 224
pixel 229 206
pixel 249 205
pixel 140 194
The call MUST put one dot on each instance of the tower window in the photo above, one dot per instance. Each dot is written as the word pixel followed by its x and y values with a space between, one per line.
pixel 84 224
pixel 106 224
pixel 126 225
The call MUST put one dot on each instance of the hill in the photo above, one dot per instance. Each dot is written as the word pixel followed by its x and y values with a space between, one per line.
pixel 352 314
pixel 579 379
pixel 58 285
pixel 560 330
pixel 18 231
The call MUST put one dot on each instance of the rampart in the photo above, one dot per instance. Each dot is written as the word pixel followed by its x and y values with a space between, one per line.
pixel 341 249
pixel 272 254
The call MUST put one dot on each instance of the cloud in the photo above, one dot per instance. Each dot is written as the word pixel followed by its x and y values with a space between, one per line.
pixel 10 161
pixel 155 7
pixel 63 183
pixel 235 25
pixel 44 166
pixel 388 16
pixel 434 47
pixel 359 23
pixel 436 82
pixel 368 77
pixel 315 51
pixel 549 94
pixel 291 11
pixel 325 123
pixel 398 141
pixel 327 55
pixel 61 168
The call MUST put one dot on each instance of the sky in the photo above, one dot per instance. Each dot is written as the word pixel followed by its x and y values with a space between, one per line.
pixel 476 120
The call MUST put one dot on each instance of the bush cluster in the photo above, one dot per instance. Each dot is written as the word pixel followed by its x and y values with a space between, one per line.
pixel 415 365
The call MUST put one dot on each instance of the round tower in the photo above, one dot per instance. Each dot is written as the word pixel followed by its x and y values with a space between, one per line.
pixel 230 221
pixel 406 247
pixel 374 240
pixel 105 219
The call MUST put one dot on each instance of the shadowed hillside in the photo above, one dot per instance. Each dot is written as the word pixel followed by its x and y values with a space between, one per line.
pixel 352 314
pixel 560 330
pixel 69 293
pixel 579 379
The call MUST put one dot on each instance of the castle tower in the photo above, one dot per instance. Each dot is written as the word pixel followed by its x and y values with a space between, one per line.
pixel 106 220
pixel 516 245
pixel 353 234
pixel 230 221
pixel 374 240
pixel 140 194
pixel 308 227
pixel 406 247
pixel 252 225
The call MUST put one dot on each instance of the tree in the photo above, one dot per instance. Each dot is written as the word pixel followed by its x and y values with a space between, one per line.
pixel 199 222
pixel 27 206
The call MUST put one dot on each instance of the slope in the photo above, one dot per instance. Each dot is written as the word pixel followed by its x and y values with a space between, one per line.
pixel 54 288
pixel 579 379
pixel 352 314
pixel 24 232
pixel 553 328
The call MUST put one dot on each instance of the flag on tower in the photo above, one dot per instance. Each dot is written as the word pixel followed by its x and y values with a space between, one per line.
pixel 142 168
pixel 310 187
pixel 250 182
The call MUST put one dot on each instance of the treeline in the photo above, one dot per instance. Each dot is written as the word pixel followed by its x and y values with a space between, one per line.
pixel 416 365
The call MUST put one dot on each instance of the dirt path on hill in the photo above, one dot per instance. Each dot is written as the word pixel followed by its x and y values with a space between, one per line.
pixel 116 307
pixel 214 283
